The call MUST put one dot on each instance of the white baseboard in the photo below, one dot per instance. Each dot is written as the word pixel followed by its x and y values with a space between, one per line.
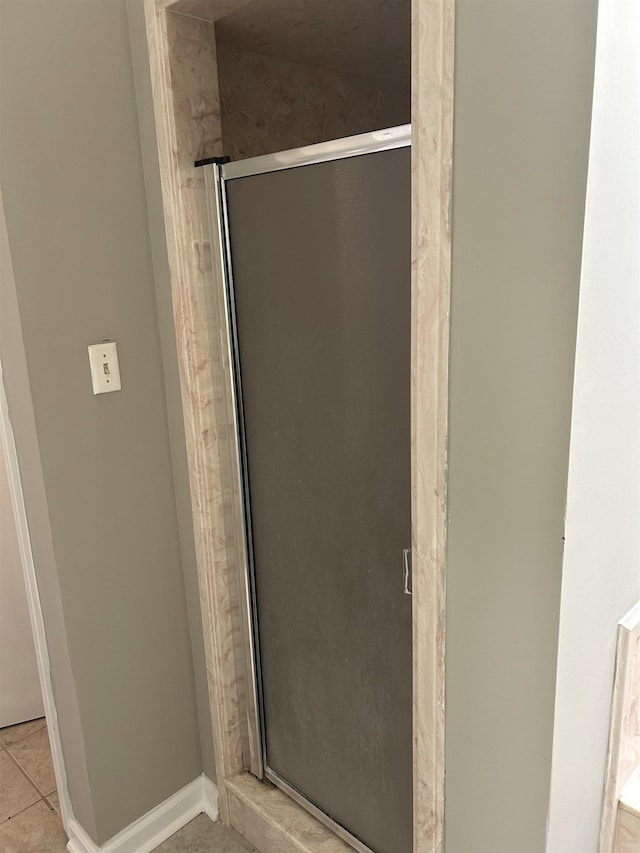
pixel 146 833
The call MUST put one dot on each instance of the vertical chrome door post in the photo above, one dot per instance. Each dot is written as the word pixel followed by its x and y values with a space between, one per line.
pixel 223 309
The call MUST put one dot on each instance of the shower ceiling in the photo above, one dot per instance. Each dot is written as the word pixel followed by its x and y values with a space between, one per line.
pixel 365 37
pixel 370 38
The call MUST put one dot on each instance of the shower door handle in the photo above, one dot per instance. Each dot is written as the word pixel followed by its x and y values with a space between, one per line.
pixel 406 571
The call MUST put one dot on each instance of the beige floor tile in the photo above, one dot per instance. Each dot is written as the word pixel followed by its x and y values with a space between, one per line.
pixel 203 836
pixel 16 793
pixel 54 801
pixel 35 830
pixel 10 734
pixel 33 754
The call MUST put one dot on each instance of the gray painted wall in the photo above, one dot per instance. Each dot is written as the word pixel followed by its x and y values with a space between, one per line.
pixel 17 387
pixel 151 166
pixel 523 89
pixel 74 198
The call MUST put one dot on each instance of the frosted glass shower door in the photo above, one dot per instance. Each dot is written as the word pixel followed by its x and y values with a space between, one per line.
pixel 320 267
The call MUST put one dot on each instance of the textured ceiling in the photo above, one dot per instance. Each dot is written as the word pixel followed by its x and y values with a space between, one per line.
pixel 371 38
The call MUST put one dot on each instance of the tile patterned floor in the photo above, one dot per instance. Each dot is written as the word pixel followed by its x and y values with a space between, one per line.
pixel 30 809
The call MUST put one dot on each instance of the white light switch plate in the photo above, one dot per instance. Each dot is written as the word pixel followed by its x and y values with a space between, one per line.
pixel 105 370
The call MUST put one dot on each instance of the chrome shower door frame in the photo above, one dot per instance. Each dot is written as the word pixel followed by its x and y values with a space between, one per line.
pixel 217 174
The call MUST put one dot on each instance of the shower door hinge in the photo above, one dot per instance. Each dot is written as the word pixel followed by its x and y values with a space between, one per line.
pixel 406 571
pixel 207 161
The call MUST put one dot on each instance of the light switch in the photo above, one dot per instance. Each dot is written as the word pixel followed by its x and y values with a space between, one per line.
pixel 105 370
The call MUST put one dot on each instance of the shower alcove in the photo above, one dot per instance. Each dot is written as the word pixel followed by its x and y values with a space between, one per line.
pixel 241 79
